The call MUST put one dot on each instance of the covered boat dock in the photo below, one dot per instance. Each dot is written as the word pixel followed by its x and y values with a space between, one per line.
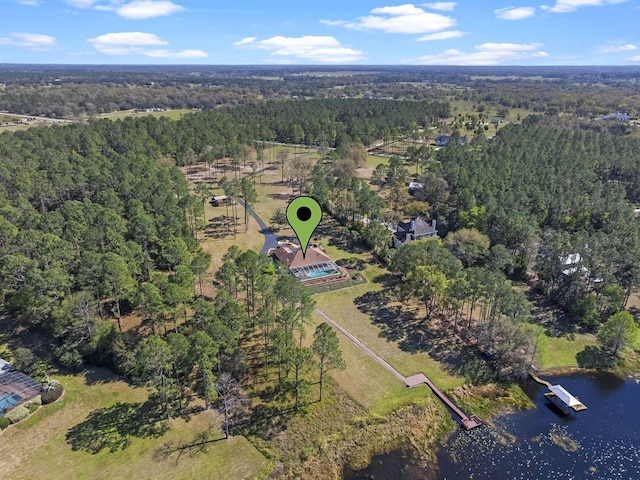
pixel 564 400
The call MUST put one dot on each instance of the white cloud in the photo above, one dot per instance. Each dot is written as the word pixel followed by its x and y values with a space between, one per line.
pixel 335 23
pixel 127 43
pixel 122 43
pixel 485 54
pixel 634 59
pixel 446 35
pixel 514 13
pixel 617 48
pixel 141 9
pixel 323 49
pixel 33 41
pixel 245 41
pixel 135 10
pixel 29 3
pixel 405 18
pixel 565 6
pixel 445 6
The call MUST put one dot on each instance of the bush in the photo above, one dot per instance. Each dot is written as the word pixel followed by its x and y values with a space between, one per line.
pixel 4 423
pixel 32 407
pixel 51 391
pixel 24 360
pixel 36 400
pixel 17 414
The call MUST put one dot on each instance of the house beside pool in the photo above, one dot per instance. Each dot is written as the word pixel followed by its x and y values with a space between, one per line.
pixel 314 267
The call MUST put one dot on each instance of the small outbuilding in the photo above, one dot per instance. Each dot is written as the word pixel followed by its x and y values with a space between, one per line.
pixel 219 200
pixel 414 187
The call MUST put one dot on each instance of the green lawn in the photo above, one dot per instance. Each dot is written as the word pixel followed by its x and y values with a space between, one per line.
pixel 339 306
pixel 88 434
pixel 561 352
pixel 369 384
pixel 374 160
pixel 14 128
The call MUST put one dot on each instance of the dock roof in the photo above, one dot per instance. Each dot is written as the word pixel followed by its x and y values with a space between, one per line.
pixel 565 396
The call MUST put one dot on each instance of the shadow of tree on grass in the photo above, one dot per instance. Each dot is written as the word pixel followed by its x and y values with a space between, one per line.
pixel 264 421
pixel 200 444
pixel 418 335
pixel 594 357
pixel 394 323
pixel 114 427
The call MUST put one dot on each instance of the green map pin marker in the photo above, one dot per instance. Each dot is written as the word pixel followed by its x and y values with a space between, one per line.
pixel 304 215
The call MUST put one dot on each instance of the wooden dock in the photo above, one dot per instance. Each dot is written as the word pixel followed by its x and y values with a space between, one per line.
pixel 560 397
pixel 467 421
pixel 539 380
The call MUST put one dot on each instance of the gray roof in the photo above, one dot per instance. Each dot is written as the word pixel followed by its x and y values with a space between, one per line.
pixel 418 227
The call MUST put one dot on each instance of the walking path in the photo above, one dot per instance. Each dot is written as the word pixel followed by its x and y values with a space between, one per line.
pixel 468 422
pixel 366 349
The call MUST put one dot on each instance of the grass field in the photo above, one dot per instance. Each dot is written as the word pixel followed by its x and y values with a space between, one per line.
pixel 218 246
pixel 15 128
pixel 173 114
pixel 368 383
pixel 516 115
pixel 561 352
pixel 93 433
pixel 340 306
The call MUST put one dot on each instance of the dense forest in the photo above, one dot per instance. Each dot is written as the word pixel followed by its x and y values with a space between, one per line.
pixel 99 227
pixel 549 189
pixel 77 91
pixel 97 217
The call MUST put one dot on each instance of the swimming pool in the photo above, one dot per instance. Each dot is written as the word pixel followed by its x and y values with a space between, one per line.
pixel 8 401
pixel 321 273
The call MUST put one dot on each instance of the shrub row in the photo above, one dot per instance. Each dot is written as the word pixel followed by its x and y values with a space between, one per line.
pixel 51 392
pixel 17 414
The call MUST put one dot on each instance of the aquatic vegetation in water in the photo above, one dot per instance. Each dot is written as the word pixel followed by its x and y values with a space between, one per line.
pixel 560 437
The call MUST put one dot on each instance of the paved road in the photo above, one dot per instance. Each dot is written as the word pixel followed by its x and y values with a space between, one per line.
pixel 270 239
pixel 48 119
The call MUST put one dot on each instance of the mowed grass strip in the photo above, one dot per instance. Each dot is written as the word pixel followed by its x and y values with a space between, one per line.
pixel 339 305
pixel 42 447
pixel 368 383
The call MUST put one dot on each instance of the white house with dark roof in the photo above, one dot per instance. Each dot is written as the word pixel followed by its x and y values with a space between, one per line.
pixel 417 228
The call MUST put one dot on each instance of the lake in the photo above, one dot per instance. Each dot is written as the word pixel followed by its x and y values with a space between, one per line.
pixel 602 442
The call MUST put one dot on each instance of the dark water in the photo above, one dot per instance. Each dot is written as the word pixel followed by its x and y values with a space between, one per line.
pixel 521 446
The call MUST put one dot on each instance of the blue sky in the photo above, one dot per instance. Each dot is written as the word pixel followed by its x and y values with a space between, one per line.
pixel 469 32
